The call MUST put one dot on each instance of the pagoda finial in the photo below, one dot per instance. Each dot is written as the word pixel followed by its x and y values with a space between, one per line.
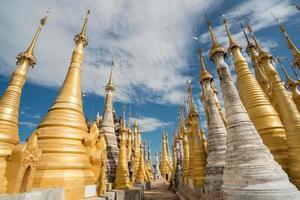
pixel 110 85
pixel 28 54
pixel 288 78
pixel 189 95
pixel 293 69
pixel 232 42
pixel 181 116
pixel 204 74
pixel 245 34
pixel 291 45
pixel 82 35
pixel 202 61
pixel 216 47
pixel 257 44
pixel 249 43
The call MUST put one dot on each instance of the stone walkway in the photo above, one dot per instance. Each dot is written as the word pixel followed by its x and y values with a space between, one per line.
pixel 160 190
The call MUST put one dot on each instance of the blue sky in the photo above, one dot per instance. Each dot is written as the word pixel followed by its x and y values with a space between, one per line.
pixel 152 45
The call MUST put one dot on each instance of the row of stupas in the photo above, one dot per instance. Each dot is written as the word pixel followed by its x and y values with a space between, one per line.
pixel 65 151
pixel 252 150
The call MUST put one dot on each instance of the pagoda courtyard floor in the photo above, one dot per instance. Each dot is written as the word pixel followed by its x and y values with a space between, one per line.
pixel 160 190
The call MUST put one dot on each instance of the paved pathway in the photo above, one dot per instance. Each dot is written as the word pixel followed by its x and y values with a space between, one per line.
pixel 160 190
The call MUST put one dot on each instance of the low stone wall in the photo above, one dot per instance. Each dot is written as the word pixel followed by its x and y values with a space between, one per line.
pixel 37 194
pixel 135 193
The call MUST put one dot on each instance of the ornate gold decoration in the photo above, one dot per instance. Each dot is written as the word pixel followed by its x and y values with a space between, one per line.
pixel 9 107
pixel 101 182
pixel 64 162
pixel 95 145
pixel 21 165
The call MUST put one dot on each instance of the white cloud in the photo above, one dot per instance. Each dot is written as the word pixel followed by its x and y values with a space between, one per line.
pixel 149 40
pixel 148 124
pixel 29 124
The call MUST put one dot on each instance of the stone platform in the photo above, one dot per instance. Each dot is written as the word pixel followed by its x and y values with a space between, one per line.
pixel 37 194
pixel 135 193
pixel 186 192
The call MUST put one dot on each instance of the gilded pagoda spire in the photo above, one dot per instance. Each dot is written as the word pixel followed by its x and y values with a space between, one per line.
pixel 258 106
pixel 259 73
pixel 110 85
pixel 141 175
pixel 122 175
pixel 62 131
pixel 136 145
pixel 246 144
pixel 232 42
pixel 215 47
pixel 216 135
pixel 9 105
pixel 182 129
pixel 165 167
pixel 129 139
pixel 108 128
pixel 291 45
pixel 186 151
pixel 197 161
pixel 204 74
pixel 292 84
pixel 288 112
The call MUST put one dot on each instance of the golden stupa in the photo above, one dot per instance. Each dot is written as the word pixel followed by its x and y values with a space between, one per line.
pixel 9 110
pixel 186 151
pixel 288 113
pixel 141 174
pixel 165 166
pixel 64 162
pixel 122 175
pixel 197 161
pixel 261 112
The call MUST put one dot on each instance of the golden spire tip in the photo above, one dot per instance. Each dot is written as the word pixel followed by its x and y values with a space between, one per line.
pixel 202 60
pixel 232 42
pixel 82 35
pixel 287 76
pixel 250 30
pixel 215 47
pixel 110 85
pixel 28 54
